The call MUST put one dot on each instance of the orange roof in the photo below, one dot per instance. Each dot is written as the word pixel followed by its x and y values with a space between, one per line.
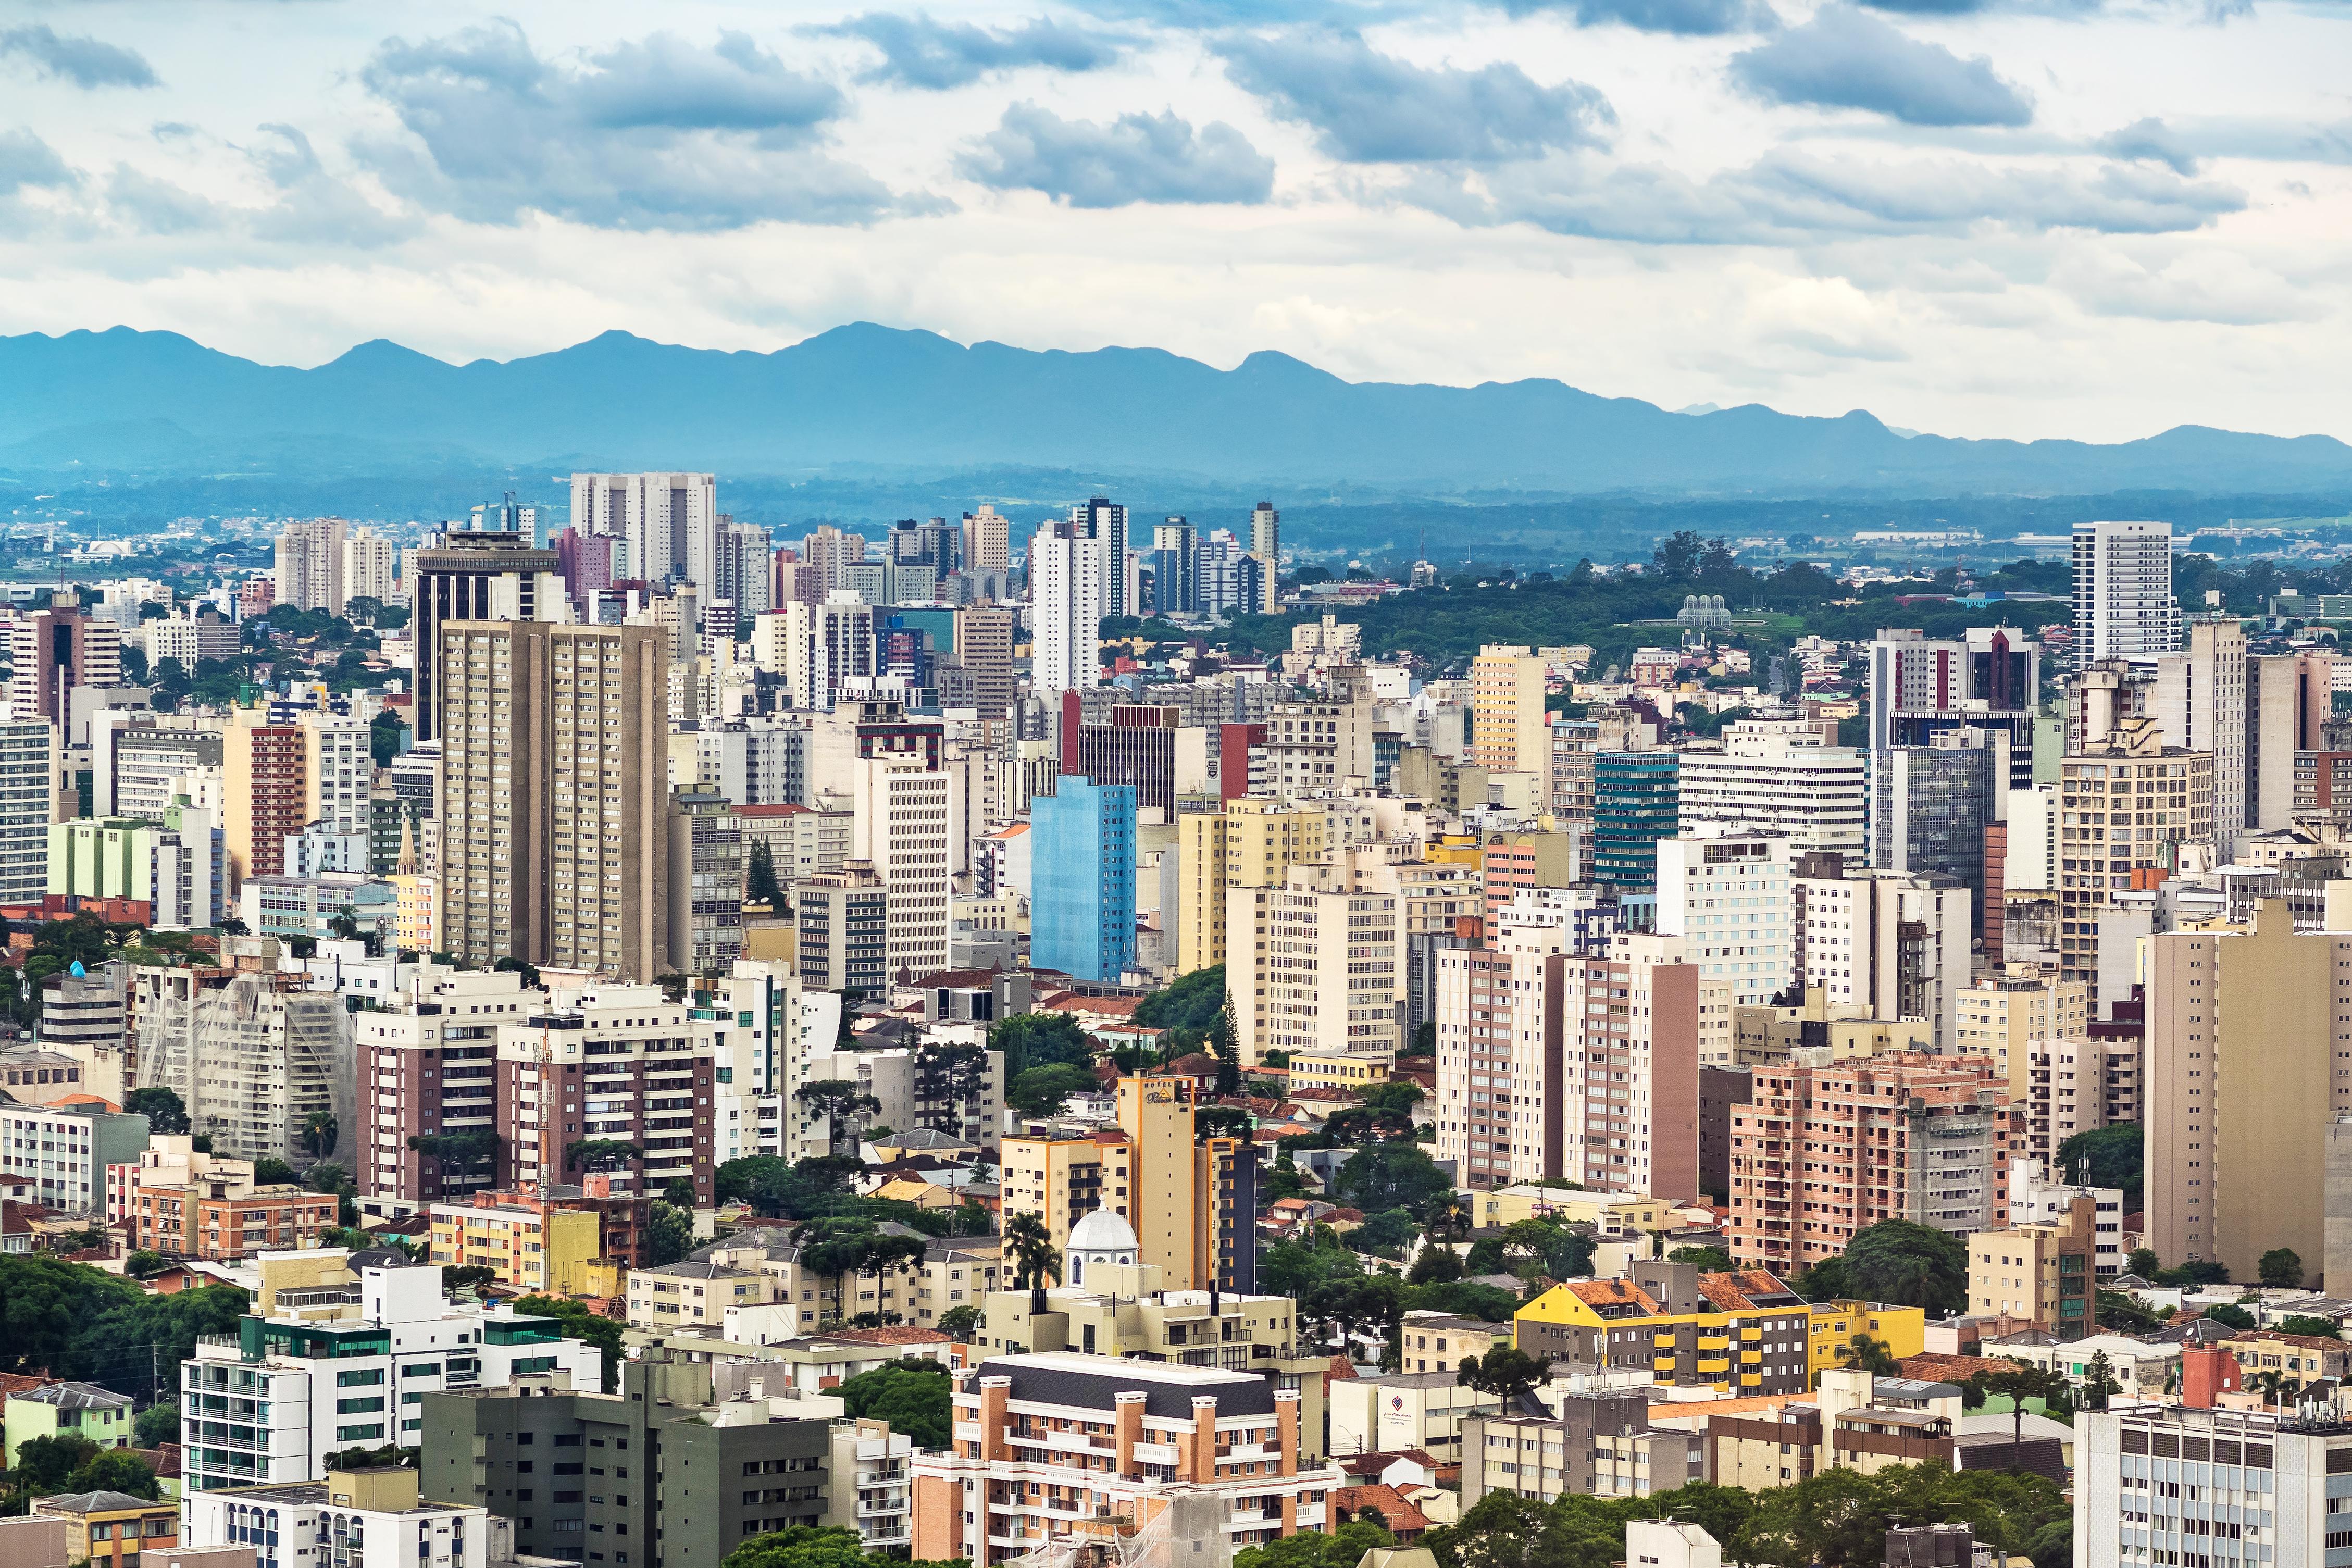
pixel 1737 1290
pixel 1612 1293
pixel 86 1100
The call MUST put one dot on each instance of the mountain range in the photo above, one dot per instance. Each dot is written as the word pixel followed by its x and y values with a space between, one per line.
pixel 881 400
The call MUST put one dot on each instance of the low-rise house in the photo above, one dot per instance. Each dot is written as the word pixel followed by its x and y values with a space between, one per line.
pixel 63 1410
pixel 113 1529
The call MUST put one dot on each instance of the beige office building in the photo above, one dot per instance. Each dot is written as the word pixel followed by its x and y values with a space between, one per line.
pixel 554 801
pixel 2126 807
pixel 2026 1022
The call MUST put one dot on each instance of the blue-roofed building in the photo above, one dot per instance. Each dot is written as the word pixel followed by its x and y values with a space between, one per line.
pixel 1082 880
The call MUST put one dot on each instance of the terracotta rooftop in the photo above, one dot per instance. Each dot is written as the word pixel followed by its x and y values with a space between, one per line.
pixel 1746 1288
pixel 1612 1293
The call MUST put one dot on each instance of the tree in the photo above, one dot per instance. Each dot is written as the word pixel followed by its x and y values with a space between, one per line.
pixel 157 1424
pixel 1030 1247
pixel 1910 1265
pixel 2280 1269
pixel 1437 1264
pixel 1386 1232
pixel 838 1100
pixel 1191 1003
pixel 669 1232
pixel 1423 1042
pixel 2100 1383
pixel 270 1172
pixel 165 1111
pixel 1712 1259
pixel 1040 1090
pixel 2019 1383
pixel 678 1192
pixel 115 1470
pixel 2233 1317
pixel 599 1154
pixel 813 1546
pixel 461 1155
pixel 2305 1323
pixel 1040 1039
pixel 961 1324
pixel 1677 557
pixel 468 1276
pixel 760 884
pixel 911 1395
pixel 2109 1156
pixel 44 1464
pixel 1864 1354
pixel 145 1265
pixel 1397 1097
pixel 1503 1372
pixel 577 1323
pixel 1390 1175
pixel 2142 1261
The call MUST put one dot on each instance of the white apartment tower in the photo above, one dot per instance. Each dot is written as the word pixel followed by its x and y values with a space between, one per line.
pixel 2201 705
pixel 1265 544
pixel 902 825
pixel 368 564
pixel 670 522
pixel 1727 895
pixel 1067 588
pixel 818 649
pixel 1103 520
pixel 2124 606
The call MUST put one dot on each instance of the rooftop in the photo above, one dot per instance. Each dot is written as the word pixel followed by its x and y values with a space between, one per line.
pixel 1060 1377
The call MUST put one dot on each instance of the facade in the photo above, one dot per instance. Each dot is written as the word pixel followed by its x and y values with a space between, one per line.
pixel 1266 548
pixel 1069 576
pixel 903 826
pixel 184 1204
pixel 1253 842
pixel 369 1518
pixel 610 1065
pixel 1823 1152
pixel 28 800
pixel 2200 702
pixel 368 564
pixel 1509 731
pixel 2124 606
pixel 1082 881
pixel 1743 1333
pixel 1931 805
pixel 1221 1448
pixel 2047 1272
pixel 2133 803
pixel 535 1245
pixel 1600 1445
pixel 667 523
pixel 264 790
pixel 178 866
pixel 2153 1483
pixel 113 1529
pixel 1725 893
pixel 1636 801
pixel 310 564
pixel 348 1363
pixel 554 798
pixel 428 1072
pixel 1776 775
pixel 705 883
pixel 1317 961
pixel 485 575
pixel 67 1409
pixel 54 650
pixel 63 1149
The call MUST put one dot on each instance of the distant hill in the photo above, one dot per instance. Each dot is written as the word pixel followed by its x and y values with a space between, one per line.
pixel 881 400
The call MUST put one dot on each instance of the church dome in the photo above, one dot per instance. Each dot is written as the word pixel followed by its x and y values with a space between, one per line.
pixel 1102 1231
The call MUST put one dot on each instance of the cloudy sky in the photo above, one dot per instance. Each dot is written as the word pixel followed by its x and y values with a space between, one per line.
pixel 2016 218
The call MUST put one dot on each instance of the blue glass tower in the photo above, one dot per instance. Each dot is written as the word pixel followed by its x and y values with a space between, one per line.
pixel 1636 801
pixel 1082 880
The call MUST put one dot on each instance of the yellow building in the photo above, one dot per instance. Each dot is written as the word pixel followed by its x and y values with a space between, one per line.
pixel 111 1528
pixel 1190 1211
pixel 1508 731
pixel 1610 1214
pixel 1318 961
pixel 1733 1335
pixel 415 899
pixel 1770 1037
pixel 1341 1070
pixel 529 1246
pixel 306 1269
pixel 1250 844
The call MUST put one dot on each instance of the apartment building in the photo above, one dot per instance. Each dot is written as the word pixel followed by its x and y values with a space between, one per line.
pixel 1636 802
pixel 1316 961
pixel 608 1065
pixel 554 798
pixel 265 792
pixel 1823 1152
pixel 2130 805
pixel 2155 1482
pixel 64 1149
pixel 904 828
pixel 310 564
pixel 1509 731
pixel 1193 1203
pixel 1316 746
pixel 428 1072
pixel 2026 1022
pixel 346 1364
pixel 1254 842
pixel 2124 606
pixel 1600 1445
pixel 2046 1271
pixel 1894 944
pixel 51 652
pixel 475 575
pixel 2245 1077
pixel 1727 894
pixel 1504 1099
pixel 183 1202
pixel 266 1067
pixel 1632 1038
pixel 842 935
pixel 1049 1441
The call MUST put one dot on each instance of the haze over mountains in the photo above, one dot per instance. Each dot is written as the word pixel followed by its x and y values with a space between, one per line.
pixel 881 400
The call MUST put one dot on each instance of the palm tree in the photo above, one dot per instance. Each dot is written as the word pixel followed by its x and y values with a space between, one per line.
pixel 1873 1356
pixel 1449 1217
pixel 1031 1247
pixel 2271 1383
pixel 320 1132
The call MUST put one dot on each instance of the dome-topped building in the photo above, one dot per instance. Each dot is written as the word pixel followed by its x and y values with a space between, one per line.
pixel 1101 1237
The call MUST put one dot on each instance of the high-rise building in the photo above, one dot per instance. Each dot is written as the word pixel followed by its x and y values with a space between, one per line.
pixel 2024 1021
pixel 468 577
pixel 743 568
pixel 554 798
pixel 28 803
pixel 818 649
pixel 2045 1271
pixel 1503 1100
pixel 1822 1153
pixel 310 564
pixel 1265 548
pixel 1068 590
pixel 1727 895
pixel 1227 579
pixel 51 652
pixel 1931 804
pixel 832 552
pixel 669 523
pixel 2201 700
pixel 1773 776
pixel 1920 687
pixel 1892 943
pixel 705 883
pixel 2245 1027
pixel 2151 1478
pixel 1175 569
pixel 620 1063
pixel 2289 700
pixel 1138 747
pixel 903 828
pixel 844 918
pixel 2124 606
pixel 2133 802
pixel 1315 960
pixel 370 564
pixel 265 792
pixel 984 637
pixel 1253 842
pixel 1315 748
pixel 1636 801
pixel 987 542
pixel 1082 880
pixel 504 515
pixel 1508 731
pixel 1101 520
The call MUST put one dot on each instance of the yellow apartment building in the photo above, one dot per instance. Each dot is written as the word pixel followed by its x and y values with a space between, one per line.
pixel 529 1247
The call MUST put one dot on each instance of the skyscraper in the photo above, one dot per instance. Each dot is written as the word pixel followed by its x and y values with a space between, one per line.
pixel 51 652
pixel 1100 518
pixel 1508 733
pixel 1067 572
pixel 310 564
pixel 491 575
pixel 368 566
pixel 744 568
pixel 2201 702
pixel 817 648
pixel 1266 546
pixel 1082 880
pixel 1636 801
pixel 2123 591
pixel 670 521
pixel 987 544
pixel 28 800
pixel 1175 570
pixel 554 796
